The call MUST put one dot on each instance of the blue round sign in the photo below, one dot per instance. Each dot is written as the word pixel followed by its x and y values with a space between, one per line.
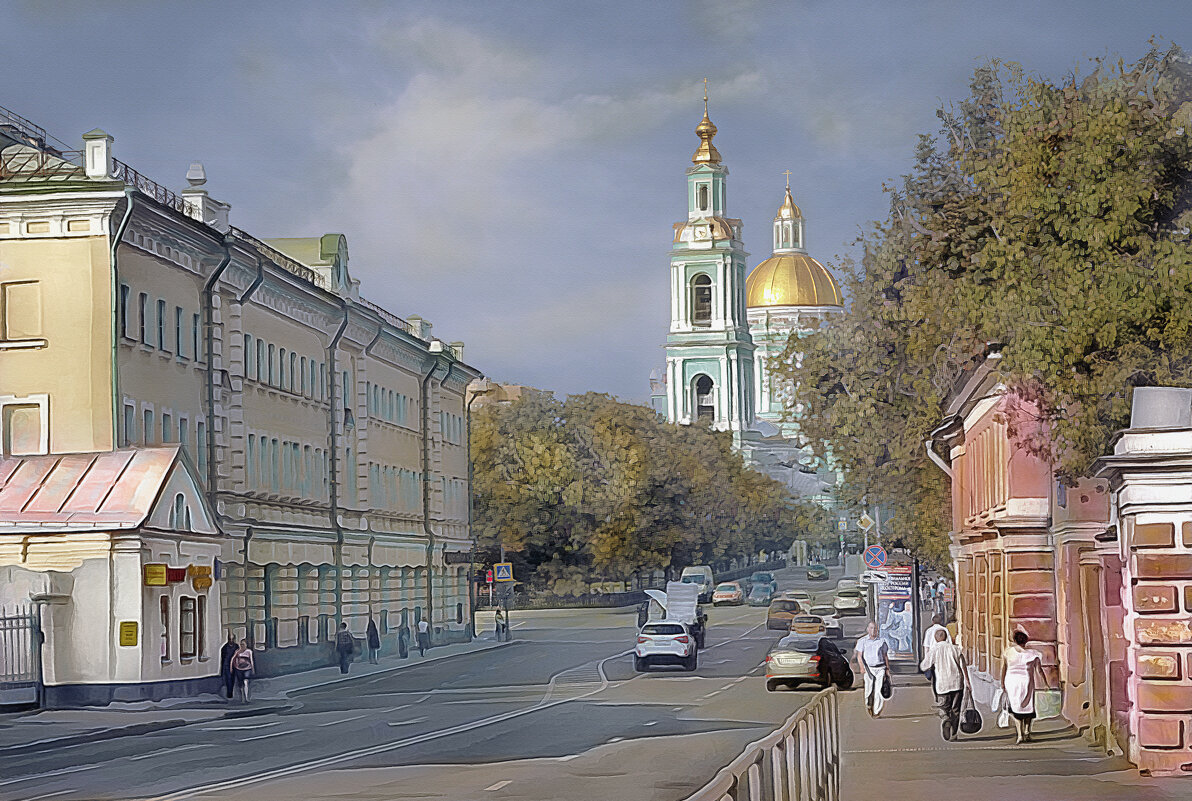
pixel 875 556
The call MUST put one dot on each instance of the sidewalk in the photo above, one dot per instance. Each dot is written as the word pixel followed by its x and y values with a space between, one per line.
pixel 40 730
pixel 902 755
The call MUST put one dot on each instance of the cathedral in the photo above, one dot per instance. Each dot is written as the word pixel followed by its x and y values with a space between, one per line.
pixel 725 328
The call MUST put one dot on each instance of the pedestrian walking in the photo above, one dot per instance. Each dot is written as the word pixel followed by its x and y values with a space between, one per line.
pixel 344 646
pixel 643 614
pixel 937 625
pixel 423 637
pixel 225 664
pixel 872 654
pixel 1019 667
pixel 373 635
pixel 243 667
pixel 949 681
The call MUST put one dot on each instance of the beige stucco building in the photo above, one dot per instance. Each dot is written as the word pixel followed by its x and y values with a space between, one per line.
pixel 326 433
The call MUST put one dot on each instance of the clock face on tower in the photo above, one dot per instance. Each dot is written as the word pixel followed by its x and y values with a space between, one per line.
pixel 702 232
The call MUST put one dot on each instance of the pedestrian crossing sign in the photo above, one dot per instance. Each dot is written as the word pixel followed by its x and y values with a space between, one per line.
pixel 503 571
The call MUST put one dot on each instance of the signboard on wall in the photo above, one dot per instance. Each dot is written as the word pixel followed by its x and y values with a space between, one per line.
pixel 156 575
pixel 200 577
pixel 896 612
pixel 128 633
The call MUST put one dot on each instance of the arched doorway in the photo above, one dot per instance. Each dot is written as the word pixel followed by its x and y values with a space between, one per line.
pixel 705 399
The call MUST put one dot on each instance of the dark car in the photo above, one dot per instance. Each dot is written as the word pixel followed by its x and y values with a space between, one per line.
pixel 799 658
pixel 817 573
pixel 765 579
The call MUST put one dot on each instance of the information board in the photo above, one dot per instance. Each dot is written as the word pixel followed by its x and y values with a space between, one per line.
pixel 896 612
pixel 128 632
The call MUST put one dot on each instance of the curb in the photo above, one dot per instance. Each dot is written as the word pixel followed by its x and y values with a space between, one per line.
pixel 405 666
pixel 115 732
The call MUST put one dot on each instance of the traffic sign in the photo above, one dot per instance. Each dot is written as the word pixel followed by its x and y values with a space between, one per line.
pixel 875 556
pixel 843 524
pixel 503 571
pixel 488 577
pixel 875 577
pixel 865 522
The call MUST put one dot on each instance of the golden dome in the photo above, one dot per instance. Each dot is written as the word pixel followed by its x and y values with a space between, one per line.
pixel 788 210
pixel 706 153
pixel 791 279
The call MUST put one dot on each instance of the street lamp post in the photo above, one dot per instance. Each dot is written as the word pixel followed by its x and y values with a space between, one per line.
pixel 480 386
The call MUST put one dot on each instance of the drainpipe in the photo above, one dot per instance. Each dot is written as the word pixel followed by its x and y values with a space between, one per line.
pixel 208 342
pixel 936 458
pixel 114 272
pixel 333 464
pixel 432 368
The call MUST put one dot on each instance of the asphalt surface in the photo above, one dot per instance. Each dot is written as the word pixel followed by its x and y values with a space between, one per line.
pixel 558 714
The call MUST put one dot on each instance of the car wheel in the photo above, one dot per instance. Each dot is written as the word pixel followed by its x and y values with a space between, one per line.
pixel 640 664
pixel 690 662
pixel 771 685
pixel 845 684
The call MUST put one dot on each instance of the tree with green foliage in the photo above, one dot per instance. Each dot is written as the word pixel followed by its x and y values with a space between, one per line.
pixel 591 486
pixel 1050 217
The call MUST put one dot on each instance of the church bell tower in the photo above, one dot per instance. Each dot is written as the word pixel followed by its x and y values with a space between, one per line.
pixel 709 352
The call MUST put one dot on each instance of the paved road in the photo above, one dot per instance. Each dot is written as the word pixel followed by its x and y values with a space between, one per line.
pixel 559 714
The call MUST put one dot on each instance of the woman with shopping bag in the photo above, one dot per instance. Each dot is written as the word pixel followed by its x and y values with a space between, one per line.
pixel 1020 665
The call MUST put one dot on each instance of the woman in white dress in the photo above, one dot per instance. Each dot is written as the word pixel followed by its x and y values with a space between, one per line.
pixel 1019 667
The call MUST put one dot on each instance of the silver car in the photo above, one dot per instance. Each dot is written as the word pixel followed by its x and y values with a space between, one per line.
pixel 832 625
pixel 849 602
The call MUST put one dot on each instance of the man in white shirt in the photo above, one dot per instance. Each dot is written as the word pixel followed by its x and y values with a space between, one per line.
pixel 950 679
pixel 423 637
pixel 937 624
pixel 872 655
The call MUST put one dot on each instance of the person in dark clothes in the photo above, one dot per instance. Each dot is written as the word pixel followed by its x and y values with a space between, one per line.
pixel 344 646
pixel 225 664
pixel 374 641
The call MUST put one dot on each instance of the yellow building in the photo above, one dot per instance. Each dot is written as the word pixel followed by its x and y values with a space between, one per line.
pixel 327 433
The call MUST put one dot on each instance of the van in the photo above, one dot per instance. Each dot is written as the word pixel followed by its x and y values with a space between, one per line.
pixel 700 575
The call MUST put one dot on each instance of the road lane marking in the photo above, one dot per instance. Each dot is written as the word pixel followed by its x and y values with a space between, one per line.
pixel 381 748
pixel 162 751
pixel 651 723
pixel 49 795
pixel 267 736
pixel 410 722
pixel 47 774
pixel 498 785
pixel 240 728
pixel 342 720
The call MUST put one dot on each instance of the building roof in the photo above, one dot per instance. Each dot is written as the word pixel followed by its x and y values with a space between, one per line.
pixel 86 491
pixel 791 279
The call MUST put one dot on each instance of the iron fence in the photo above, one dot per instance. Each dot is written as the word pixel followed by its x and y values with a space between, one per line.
pixel 798 762
pixel 150 188
pixel 20 669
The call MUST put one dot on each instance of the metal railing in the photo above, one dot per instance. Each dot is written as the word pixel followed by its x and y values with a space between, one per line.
pixel 280 259
pixel 29 164
pixel 798 762
pixel 152 189
pixel 390 317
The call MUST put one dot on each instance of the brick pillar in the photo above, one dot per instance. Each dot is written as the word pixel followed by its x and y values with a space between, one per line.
pixel 1030 596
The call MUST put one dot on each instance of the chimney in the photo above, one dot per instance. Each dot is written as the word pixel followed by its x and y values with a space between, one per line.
pixel 97 158
pixel 200 205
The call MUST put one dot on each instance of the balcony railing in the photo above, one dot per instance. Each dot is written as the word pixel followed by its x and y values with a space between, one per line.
pixel 280 259
pixel 151 188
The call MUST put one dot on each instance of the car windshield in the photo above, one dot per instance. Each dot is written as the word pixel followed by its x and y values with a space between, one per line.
pixel 692 579
pixel 801 643
pixel 823 610
pixel 762 577
pixel 662 628
pixel 759 592
pixel 727 588
pixel 784 606
pixel 849 593
pixel 803 620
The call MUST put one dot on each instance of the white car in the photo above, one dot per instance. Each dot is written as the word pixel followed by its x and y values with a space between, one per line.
pixel 849 601
pixel 832 626
pixel 847 584
pixel 664 642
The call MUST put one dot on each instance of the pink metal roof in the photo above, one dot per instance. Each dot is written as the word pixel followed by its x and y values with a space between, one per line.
pixel 109 489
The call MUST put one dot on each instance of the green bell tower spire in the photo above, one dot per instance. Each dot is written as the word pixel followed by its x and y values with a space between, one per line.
pixel 709 353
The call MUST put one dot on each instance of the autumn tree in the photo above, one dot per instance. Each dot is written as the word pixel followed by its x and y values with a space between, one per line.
pixel 1051 217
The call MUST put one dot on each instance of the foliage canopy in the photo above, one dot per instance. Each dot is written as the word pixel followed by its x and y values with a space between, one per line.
pixel 1051 217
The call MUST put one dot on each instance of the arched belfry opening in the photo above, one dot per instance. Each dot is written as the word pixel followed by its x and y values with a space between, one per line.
pixel 705 399
pixel 701 301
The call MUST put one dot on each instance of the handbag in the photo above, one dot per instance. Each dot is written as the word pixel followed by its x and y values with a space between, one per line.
pixel 887 690
pixel 1048 704
pixel 970 718
pixel 1002 708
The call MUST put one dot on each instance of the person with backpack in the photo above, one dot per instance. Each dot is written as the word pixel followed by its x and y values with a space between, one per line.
pixel 243 666
pixel 344 646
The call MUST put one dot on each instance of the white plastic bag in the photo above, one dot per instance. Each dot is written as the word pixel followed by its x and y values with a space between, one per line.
pixel 1001 706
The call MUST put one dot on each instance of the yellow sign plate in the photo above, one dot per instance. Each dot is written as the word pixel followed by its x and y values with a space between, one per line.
pixel 128 632
pixel 156 575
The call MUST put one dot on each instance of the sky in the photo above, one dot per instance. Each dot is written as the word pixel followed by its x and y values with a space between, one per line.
pixel 510 171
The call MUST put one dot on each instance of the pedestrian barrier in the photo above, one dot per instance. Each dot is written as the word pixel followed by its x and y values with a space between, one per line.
pixel 798 762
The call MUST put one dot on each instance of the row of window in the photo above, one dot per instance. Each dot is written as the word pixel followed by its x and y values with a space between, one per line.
pixel 455 497
pixel 452 426
pixel 387 404
pixel 286 467
pixel 153 427
pixel 177 330
pixel 272 365
pixel 192 628
pixel 393 487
